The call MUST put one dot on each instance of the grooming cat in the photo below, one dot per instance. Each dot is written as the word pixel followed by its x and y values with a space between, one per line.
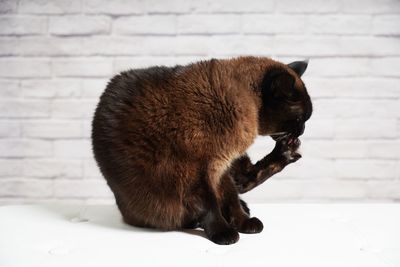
pixel 171 141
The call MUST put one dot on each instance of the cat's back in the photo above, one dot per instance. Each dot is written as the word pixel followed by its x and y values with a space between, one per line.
pixel 129 86
pixel 132 96
pixel 168 111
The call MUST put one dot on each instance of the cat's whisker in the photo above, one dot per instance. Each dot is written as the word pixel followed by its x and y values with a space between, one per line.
pixel 278 133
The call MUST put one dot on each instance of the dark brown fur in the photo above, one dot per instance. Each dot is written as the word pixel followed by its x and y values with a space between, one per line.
pixel 171 142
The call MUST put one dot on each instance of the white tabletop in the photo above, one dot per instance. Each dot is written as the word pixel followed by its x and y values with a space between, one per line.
pixel 294 235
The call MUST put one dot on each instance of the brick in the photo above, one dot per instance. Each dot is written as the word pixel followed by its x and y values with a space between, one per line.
pixel 320 87
pixel 22 25
pixel 118 7
pixel 339 24
pixel 10 129
pixel 283 45
pixel 333 149
pixel 91 170
pixel 339 67
pixel 144 45
pixel 386 25
pixel 9 89
pixel 43 168
pixel 189 45
pixel 389 67
pixel 82 25
pixel 154 24
pixel 26 188
pixel 25 148
pixel 100 45
pixel 353 87
pixel 365 128
pixel 126 63
pixel 93 88
pixel 52 129
pixel 352 149
pixel 319 129
pixel 208 24
pixel 10 168
pixel 329 45
pixel 267 24
pixel 385 190
pixel 24 68
pixel 62 88
pixel 333 189
pixel 371 6
pixel 366 46
pixel 366 169
pixel 309 168
pixel 87 128
pixel 41 46
pixel 313 6
pixel 221 45
pixel 72 149
pixel 172 6
pixel 262 146
pixel 45 201
pixel 24 109
pixel 398 127
pixel 81 189
pixel 235 6
pixel 49 7
pixel 109 200
pixel 355 108
pixel 379 149
pixel 82 67
pixel 314 189
pixel 8 6
pixel 383 149
pixel 73 108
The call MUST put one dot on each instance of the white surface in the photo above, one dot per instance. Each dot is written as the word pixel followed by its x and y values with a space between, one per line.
pixel 294 235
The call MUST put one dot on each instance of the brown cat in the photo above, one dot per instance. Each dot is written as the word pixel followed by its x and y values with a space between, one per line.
pixel 171 142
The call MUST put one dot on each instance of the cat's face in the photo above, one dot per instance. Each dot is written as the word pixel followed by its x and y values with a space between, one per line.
pixel 286 104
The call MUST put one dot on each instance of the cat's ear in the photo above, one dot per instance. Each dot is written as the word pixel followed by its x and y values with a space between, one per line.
pixel 299 67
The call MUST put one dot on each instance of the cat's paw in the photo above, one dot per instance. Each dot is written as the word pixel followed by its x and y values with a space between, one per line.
pixel 286 150
pixel 226 236
pixel 251 226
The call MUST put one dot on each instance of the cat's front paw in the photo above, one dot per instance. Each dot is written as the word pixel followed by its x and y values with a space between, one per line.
pixel 226 236
pixel 251 226
pixel 286 150
pixel 291 147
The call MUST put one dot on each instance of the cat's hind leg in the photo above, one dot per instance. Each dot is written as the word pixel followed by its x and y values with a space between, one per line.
pixel 143 204
pixel 245 207
pixel 236 211
pixel 210 217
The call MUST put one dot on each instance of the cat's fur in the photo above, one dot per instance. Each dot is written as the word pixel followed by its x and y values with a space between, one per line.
pixel 171 142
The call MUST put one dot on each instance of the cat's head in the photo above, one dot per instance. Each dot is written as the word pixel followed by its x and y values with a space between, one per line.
pixel 286 105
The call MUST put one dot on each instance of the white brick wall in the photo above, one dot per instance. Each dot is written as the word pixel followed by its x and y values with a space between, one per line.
pixel 56 57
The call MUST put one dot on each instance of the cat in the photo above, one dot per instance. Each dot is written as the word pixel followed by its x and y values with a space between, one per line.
pixel 171 141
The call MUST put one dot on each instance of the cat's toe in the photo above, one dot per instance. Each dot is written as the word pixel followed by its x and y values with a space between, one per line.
pixel 226 237
pixel 291 156
pixel 294 157
pixel 294 144
pixel 251 226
